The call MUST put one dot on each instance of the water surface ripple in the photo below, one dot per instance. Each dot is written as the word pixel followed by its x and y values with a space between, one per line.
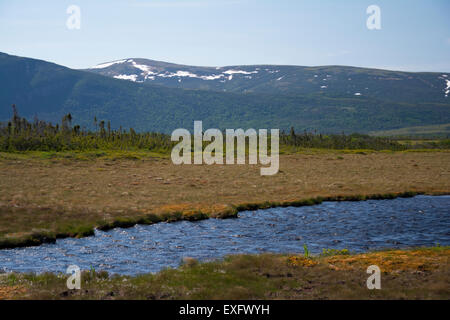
pixel 357 226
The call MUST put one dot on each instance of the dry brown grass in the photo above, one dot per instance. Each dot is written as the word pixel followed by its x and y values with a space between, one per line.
pixel 43 195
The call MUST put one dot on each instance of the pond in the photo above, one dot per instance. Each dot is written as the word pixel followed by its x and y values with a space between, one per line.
pixel 357 226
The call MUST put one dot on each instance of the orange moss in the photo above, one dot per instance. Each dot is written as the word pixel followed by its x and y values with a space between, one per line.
pixel 11 292
pixel 393 261
pixel 298 261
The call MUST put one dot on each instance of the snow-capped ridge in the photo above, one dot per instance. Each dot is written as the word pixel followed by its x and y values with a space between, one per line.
pixel 150 72
pixel 260 78
pixel 107 64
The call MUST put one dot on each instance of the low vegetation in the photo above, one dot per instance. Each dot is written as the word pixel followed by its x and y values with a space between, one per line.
pixel 421 273
pixel 21 135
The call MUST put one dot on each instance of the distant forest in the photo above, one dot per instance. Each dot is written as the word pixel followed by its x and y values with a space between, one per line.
pixel 19 134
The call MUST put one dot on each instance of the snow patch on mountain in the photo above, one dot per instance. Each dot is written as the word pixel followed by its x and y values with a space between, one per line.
pixel 226 74
pixel 131 77
pixel 447 84
pixel 107 64
pixel 144 68
pixel 179 73
pixel 148 72
pixel 447 89
pixel 231 72
pixel 212 77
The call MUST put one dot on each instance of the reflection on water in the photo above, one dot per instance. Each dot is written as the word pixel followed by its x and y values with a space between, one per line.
pixel 358 226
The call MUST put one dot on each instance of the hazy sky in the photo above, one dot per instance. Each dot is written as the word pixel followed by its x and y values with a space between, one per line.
pixel 414 35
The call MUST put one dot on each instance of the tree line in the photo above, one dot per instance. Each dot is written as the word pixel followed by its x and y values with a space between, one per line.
pixel 19 134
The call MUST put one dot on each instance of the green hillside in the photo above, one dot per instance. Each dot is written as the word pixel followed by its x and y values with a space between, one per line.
pixel 439 130
pixel 49 91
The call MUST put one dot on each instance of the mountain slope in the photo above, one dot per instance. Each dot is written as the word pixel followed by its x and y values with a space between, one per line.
pixel 330 81
pixel 49 91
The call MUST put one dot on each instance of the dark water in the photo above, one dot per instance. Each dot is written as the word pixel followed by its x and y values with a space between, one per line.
pixel 357 226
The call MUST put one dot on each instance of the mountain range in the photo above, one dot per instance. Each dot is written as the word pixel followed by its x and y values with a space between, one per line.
pixel 332 81
pixel 158 96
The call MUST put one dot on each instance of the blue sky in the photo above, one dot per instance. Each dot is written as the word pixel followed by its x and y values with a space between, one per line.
pixel 414 35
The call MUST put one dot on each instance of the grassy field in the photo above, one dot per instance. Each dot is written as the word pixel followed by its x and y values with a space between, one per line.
pixel 438 130
pixel 44 196
pixel 422 273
